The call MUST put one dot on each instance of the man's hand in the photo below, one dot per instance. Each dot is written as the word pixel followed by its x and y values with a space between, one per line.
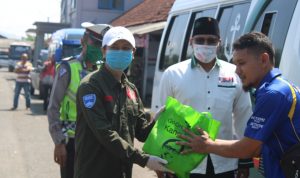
pixel 201 143
pixel 60 154
pixel 243 173
pixel 196 143
pixel 160 174
pixel 20 70
pixel 164 174
pixel 158 164
pixel 26 69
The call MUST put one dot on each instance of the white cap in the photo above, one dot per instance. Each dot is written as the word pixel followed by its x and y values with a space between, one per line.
pixel 99 29
pixel 117 33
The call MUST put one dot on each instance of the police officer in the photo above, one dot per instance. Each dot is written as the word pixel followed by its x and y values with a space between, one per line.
pixel 62 105
pixel 111 115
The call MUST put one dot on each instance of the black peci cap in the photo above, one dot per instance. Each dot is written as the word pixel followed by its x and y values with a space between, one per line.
pixel 206 26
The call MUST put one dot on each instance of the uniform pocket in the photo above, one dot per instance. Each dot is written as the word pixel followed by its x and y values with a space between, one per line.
pixel 133 113
pixel 111 110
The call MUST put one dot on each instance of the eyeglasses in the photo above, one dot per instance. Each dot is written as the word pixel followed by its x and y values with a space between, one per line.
pixel 209 41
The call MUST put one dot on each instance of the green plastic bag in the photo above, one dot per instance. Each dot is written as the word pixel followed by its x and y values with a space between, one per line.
pixel 163 136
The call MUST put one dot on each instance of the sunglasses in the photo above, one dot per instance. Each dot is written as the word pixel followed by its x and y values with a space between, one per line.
pixel 209 41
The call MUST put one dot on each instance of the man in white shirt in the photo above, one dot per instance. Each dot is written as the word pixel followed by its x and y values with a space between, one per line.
pixel 210 85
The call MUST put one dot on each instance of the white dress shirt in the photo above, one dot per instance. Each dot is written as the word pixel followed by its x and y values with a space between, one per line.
pixel 219 92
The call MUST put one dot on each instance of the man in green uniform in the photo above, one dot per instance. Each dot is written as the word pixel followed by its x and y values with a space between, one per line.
pixel 62 105
pixel 111 115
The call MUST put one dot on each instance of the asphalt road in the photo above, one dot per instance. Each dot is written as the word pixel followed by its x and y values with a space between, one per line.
pixel 26 148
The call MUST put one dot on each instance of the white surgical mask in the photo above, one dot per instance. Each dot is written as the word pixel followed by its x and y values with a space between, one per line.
pixel 205 53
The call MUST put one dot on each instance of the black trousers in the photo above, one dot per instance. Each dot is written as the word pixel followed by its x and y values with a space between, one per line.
pixel 68 170
pixel 210 173
pixel 46 95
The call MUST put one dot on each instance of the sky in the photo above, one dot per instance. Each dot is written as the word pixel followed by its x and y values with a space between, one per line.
pixel 17 16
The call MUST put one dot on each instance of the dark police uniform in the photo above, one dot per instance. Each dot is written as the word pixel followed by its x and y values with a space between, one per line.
pixel 110 115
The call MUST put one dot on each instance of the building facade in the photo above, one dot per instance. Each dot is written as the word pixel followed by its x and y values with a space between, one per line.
pixel 74 12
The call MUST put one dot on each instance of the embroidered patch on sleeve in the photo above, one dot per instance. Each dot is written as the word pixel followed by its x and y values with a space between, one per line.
pixel 62 72
pixel 89 100
pixel 256 122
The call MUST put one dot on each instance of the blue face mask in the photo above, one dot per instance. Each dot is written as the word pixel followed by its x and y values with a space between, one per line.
pixel 118 59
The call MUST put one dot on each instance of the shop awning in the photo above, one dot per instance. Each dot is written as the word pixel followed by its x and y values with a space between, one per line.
pixel 146 28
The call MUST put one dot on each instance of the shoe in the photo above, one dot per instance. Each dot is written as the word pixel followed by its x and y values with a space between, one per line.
pixel 13 108
pixel 27 108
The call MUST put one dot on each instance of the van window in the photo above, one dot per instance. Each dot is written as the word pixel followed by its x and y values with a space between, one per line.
pixel 275 21
pixel 173 41
pixel 268 23
pixel 111 4
pixel 74 36
pixel 231 22
pixel 70 50
pixel 187 49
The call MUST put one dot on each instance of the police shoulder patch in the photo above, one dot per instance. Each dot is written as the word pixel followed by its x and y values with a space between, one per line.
pixel 89 100
pixel 62 72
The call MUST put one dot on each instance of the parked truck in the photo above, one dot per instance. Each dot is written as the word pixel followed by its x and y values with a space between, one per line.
pixel 16 49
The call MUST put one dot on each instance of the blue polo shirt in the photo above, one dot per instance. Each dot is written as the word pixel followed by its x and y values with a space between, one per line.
pixel 270 118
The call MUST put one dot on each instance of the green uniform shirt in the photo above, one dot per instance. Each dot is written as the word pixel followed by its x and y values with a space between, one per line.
pixel 109 116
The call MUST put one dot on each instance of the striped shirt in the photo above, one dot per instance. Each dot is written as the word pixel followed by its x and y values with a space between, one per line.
pixel 23 71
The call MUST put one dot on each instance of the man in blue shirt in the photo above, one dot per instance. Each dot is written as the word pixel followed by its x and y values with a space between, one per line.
pixel 275 123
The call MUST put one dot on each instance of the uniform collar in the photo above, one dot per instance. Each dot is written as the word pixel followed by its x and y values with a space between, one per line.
pixel 270 76
pixel 195 62
pixel 110 79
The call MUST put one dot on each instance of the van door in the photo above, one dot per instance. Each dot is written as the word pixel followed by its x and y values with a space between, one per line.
pixel 231 22
pixel 169 53
pixel 290 58
pixel 173 41
pixel 274 21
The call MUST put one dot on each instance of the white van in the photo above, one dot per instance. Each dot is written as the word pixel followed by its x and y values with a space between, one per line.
pixel 279 19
